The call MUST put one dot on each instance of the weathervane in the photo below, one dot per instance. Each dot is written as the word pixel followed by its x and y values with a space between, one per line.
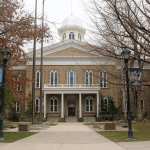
pixel 71 7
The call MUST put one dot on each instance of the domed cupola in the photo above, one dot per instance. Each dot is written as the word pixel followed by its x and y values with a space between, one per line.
pixel 72 29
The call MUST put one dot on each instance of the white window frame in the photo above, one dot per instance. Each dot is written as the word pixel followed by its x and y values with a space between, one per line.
pixel 103 79
pixel 37 105
pixel 71 36
pixel 89 106
pixel 64 36
pixel 79 36
pixel 54 73
pixel 53 99
pixel 37 83
pixel 88 77
pixel 74 78
pixel 17 107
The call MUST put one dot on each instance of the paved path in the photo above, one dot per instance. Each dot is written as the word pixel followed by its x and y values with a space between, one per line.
pixel 64 136
pixel 136 145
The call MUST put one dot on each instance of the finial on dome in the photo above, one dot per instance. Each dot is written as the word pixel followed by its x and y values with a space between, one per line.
pixel 71 13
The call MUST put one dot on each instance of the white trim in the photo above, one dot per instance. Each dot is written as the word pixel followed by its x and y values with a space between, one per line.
pixel 74 61
pixel 53 99
pixel 18 68
pixel 89 99
pixel 88 75
pixel 103 79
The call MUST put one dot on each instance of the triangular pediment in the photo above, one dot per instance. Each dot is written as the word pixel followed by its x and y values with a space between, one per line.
pixel 71 49
pixel 70 52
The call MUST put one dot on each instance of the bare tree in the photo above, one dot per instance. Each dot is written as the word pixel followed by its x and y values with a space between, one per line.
pixel 123 24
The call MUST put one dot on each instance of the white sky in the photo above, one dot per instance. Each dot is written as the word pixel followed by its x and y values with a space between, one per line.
pixel 57 10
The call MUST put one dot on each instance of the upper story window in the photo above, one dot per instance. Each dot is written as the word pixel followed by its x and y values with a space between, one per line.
pixel 37 79
pixel 88 78
pixel 103 79
pixel 89 104
pixel 54 78
pixel 64 36
pixel 53 104
pixel 79 36
pixel 71 36
pixel 37 105
pixel 71 78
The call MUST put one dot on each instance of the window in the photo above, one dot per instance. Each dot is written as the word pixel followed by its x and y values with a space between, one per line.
pixel 53 104
pixel 89 104
pixel 37 79
pixel 37 105
pixel 64 36
pixel 105 104
pixel 71 78
pixel 18 83
pixel 71 36
pixel 54 78
pixel 88 78
pixel 17 107
pixel 79 36
pixel 103 79
pixel 142 105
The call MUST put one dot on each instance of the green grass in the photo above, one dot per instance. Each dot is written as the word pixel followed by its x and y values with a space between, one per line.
pixel 15 136
pixel 141 133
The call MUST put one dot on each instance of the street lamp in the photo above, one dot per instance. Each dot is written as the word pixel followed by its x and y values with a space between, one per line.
pixel 5 55
pixel 125 55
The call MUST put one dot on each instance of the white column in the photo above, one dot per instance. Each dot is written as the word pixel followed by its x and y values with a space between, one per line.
pixel 80 106
pixel 97 115
pixel 45 106
pixel 62 106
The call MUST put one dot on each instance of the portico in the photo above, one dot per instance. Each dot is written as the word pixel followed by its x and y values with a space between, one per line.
pixel 73 101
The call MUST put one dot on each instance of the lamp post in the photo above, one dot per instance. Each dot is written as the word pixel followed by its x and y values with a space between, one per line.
pixel 5 53
pixel 125 55
pixel 136 83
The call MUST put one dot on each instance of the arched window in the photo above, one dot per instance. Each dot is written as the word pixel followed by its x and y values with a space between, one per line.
pixel 79 36
pixel 88 78
pixel 71 78
pixel 89 104
pixel 71 36
pixel 105 104
pixel 53 104
pixel 54 78
pixel 64 36
pixel 37 79
pixel 103 79
pixel 37 105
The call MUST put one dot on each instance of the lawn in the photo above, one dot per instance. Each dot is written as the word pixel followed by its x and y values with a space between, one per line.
pixel 14 136
pixel 141 133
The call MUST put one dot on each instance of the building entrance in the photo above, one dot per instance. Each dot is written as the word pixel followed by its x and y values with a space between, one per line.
pixel 72 105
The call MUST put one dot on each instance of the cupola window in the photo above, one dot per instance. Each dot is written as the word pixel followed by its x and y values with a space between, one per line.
pixel 79 37
pixel 71 36
pixel 64 36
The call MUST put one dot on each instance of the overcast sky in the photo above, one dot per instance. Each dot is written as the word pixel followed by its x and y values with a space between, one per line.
pixel 57 10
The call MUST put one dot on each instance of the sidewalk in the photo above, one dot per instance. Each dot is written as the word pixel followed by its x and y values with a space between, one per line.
pixel 64 136
pixel 145 145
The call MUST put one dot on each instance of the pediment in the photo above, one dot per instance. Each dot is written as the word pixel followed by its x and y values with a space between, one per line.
pixel 71 52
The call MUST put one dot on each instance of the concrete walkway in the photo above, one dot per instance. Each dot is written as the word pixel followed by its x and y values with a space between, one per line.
pixel 64 136
pixel 145 145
